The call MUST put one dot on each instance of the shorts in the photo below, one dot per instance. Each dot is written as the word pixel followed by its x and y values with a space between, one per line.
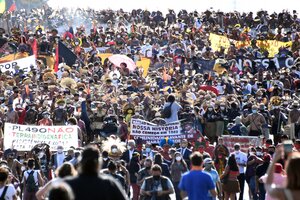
pixel 231 186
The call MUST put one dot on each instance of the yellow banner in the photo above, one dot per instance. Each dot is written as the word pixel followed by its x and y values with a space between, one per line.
pixel 272 46
pixel 144 63
pixel 103 56
pixel 218 41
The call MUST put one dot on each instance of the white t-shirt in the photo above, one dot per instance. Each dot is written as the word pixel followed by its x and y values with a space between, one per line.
pixel 241 158
pixel 35 175
pixel 174 109
pixel 10 192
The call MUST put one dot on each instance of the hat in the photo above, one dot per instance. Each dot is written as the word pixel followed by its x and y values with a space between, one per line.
pixel 295 103
pixel 60 101
pixel 237 145
pixel 207 161
pixel 254 107
pixel 278 168
pixel 45 113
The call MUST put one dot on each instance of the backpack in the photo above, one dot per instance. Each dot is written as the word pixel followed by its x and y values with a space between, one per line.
pixel 30 183
pixel 4 193
pixel 167 111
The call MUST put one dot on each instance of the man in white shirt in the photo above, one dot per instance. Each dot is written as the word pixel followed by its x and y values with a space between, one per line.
pixel 241 159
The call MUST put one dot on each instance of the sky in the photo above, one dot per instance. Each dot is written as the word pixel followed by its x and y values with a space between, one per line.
pixel 190 5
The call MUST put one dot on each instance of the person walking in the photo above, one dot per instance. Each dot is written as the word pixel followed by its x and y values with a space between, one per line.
pixel 178 167
pixel 229 178
pixel 196 184
pixel 89 184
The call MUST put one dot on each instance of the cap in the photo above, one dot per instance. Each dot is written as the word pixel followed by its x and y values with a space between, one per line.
pixel 237 145
pixel 207 161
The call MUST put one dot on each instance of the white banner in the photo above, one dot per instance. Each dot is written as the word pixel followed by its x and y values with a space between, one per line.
pixel 153 133
pixel 23 63
pixel 244 141
pixel 24 137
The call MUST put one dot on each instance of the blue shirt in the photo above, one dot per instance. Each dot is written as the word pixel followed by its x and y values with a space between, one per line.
pixel 196 184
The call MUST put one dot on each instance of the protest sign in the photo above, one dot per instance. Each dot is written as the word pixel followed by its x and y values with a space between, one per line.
pixel 218 41
pixel 25 137
pixel 272 46
pixel 145 64
pixel 153 133
pixel 208 65
pixel 244 141
pixel 23 63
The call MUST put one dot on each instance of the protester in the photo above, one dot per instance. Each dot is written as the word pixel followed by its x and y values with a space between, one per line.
pixel 241 160
pixel 157 186
pixel 209 168
pixel 292 188
pixel 177 168
pixel 229 178
pixel 7 190
pixel 67 169
pixel 62 191
pixel 196 184
pixel 88 183
pixel 187 76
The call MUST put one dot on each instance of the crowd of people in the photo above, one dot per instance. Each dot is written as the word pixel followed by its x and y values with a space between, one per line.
pixel 101 97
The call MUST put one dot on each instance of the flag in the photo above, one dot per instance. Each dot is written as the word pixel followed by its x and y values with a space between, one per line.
pixel 34 48
pixel 7 5
pixel 56 59
pixel 11 5
pixel 64 52
pixel 2 6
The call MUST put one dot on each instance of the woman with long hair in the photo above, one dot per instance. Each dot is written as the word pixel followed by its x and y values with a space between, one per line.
pixel 292 189
pixel 230 183
pixel 178 167
pixel 65 170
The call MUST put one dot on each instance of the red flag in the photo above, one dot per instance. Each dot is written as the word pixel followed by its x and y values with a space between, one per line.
pixel 56 59
pixel 13 7
pixel 34 48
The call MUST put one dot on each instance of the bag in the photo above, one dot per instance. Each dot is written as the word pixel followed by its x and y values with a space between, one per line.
pixel 167 111
pixel 30 183
pixel 4 193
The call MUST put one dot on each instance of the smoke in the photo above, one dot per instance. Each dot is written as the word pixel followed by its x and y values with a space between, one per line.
pixel 190 5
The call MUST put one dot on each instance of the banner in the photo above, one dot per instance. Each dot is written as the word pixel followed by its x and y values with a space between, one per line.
pixel 153 133
pixel 218 41
pixel 23 63
pixel 244 141
pixel 272 46
pixel 25 137
pixel 145 64
pixel 208 65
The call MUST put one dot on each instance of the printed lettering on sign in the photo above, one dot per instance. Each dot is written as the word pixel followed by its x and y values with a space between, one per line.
pixel 24 138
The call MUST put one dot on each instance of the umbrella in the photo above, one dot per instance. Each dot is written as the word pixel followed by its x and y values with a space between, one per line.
pixel 111 43
pixel 209 88
pixel 118 59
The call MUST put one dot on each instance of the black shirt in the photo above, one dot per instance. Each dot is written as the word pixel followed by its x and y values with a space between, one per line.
pixel 101 187
pixel 262 169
